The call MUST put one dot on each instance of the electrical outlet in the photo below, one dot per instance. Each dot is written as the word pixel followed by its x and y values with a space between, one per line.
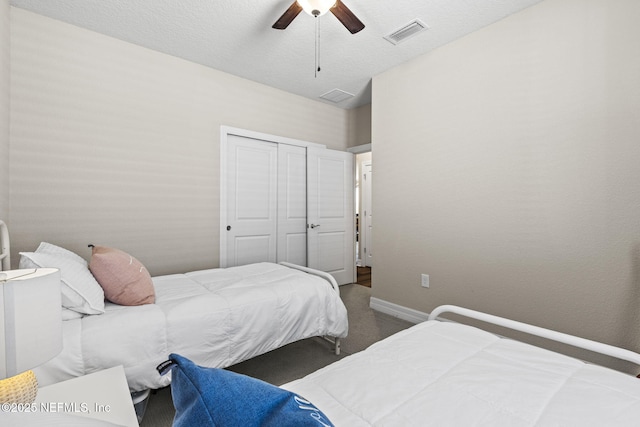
pixel 425 281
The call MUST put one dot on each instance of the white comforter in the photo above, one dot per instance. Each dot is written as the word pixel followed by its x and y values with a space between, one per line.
pixel 448 374
pixel 214 317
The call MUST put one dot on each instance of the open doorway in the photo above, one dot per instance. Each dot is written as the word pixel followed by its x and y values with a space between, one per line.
pixel 364 218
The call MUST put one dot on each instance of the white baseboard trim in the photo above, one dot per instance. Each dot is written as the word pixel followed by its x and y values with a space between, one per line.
pixel 399 311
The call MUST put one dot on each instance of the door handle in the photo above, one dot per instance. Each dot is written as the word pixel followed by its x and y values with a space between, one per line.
pixel 314 225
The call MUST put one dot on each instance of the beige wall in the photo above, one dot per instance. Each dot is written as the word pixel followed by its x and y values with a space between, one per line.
pixel 508 169
pixel 118 145
pixel 360 126
pixel 4 110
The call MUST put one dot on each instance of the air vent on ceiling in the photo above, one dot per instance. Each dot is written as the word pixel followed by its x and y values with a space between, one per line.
pixel 409 30
pixel 336 96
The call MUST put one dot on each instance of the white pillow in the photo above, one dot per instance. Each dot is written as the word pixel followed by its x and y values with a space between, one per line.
pixel 48 248
pixel 80 291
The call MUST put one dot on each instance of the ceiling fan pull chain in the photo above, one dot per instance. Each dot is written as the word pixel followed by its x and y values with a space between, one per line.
pixel 317 46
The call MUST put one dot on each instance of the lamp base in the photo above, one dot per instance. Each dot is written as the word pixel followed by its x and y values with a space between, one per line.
pixel 21 388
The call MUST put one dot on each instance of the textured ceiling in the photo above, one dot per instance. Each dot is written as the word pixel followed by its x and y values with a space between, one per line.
pixel 235 36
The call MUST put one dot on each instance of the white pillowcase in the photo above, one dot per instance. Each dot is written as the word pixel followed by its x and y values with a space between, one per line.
pixel 48 248
pixel 80 290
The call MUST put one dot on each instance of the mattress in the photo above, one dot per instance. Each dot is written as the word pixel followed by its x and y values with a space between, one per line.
pixel 215 317
pixel 449 374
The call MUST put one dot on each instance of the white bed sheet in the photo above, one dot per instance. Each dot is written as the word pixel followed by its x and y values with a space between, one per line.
pixel 449 374
pixel 215 317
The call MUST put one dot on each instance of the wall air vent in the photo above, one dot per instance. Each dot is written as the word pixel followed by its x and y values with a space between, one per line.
pixel 336 96
pixel 409 30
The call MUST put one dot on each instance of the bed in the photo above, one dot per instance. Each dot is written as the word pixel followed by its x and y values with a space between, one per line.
pixel 444 373
pixel 217 317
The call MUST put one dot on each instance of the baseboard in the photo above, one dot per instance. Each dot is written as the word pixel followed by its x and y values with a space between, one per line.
pixel 399 311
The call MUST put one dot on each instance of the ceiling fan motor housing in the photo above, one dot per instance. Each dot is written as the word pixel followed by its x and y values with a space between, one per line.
pixel 316 7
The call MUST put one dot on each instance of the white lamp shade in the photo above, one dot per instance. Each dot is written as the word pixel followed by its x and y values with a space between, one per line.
pixel 321 6
pixel 31 319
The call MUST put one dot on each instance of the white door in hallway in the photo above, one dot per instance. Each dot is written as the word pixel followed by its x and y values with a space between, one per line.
pixel 366 224
pixel 330 213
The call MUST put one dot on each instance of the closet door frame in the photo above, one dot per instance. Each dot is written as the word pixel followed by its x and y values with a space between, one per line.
pixel 225 131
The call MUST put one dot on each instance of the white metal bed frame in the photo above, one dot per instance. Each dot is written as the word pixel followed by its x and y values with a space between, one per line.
pixel 333 340
pixel 5 248
pixel 583 343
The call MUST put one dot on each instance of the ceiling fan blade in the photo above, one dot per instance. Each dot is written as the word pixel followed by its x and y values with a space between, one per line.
pixel 348 19
pixel 287 17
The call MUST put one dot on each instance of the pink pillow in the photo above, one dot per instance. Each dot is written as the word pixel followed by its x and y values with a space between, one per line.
pixel 123 278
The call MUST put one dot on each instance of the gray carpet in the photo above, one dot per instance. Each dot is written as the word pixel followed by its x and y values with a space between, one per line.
pixel 298 359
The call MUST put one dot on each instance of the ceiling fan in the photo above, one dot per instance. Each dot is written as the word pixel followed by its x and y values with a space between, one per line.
pixel 317 8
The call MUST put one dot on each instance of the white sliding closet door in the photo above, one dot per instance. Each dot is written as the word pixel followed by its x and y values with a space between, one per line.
pixel 330 213
pixel 251 201
pixel 283 200
pixel 292 204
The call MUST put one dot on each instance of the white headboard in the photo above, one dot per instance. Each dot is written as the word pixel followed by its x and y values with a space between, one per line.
pixel 5 258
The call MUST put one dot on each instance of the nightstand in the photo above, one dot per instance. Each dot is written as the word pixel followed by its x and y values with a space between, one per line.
pixel 103 395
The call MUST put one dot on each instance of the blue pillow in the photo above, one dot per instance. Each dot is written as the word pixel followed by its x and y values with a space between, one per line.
pixel 217 397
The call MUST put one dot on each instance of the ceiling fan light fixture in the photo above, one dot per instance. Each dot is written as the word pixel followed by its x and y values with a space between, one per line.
pixel 316 7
